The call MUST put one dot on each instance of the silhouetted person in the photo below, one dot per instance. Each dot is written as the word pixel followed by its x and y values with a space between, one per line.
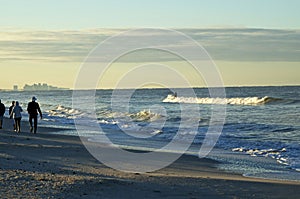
pixel 33 109
pixel 2 111
pixel 16 114
pixel 9 112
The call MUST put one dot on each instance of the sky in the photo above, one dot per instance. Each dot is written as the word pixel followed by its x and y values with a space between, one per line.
pixel 252 42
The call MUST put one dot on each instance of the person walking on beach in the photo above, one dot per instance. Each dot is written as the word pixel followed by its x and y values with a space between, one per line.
pixel 16 114
pixel 9 112
pixel 33 109
pixel 2 111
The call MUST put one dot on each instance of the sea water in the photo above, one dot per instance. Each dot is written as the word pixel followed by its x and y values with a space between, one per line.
pixel 260 137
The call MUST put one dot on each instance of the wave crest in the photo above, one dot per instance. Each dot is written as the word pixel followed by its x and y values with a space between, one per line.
pixel 233 101
pixel 64 112
pixel 145 115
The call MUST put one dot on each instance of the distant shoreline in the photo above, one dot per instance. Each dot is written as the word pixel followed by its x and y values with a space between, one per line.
pixel 69 89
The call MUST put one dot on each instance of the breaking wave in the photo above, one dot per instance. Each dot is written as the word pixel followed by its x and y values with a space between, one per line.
pixel 64 112
pixel 273 153
pixel 145 115
pixel 233 101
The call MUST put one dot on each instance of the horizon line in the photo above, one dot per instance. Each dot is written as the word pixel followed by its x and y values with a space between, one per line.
pixel 227 86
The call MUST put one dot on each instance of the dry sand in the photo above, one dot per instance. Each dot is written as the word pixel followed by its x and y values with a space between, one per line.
pixel 46 165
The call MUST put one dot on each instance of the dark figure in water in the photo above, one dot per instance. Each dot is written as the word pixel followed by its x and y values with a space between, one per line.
pixel 33 109
pixel 2 111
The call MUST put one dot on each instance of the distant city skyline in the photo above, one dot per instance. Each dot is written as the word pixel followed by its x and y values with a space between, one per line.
pixel 34 87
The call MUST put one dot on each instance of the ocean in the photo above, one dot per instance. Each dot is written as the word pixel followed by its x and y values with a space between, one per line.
pixel 260 137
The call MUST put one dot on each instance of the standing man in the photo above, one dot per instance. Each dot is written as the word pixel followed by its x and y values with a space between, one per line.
pixel 2 111
pixel 33 109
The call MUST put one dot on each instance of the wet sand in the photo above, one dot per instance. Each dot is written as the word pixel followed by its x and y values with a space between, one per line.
pixel 46 165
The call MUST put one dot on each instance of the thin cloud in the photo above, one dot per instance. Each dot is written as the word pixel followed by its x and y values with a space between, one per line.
pixel 222 44
pixel 249 44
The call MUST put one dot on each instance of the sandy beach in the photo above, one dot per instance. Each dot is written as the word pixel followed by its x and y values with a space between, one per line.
pixel 46 165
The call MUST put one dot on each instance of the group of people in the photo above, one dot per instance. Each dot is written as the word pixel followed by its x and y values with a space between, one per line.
pixel 15 113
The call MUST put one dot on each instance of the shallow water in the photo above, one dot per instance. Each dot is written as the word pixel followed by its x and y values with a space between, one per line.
pixel 261 135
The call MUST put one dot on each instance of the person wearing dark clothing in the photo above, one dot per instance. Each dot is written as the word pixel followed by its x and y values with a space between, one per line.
pixel 16 114
pixel 9 112
pixel 33 109
pixel 2 111
pixel 11 107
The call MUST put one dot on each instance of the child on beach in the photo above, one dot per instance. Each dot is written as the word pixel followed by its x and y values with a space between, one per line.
pixel 16 114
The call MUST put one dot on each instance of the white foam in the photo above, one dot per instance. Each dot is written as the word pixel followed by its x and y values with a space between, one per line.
pixel 207 100
pixel 64 112
pixel 156 132
pixel 145 115
pixel 272 153
pixel 108 122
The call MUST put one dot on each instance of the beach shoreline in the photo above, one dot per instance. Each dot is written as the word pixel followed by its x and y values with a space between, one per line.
pixel 48 165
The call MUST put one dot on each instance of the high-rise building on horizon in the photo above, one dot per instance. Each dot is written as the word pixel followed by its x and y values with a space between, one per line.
pixel 41 87
pixel 15 87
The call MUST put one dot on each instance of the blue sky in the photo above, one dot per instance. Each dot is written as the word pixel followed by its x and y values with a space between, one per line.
pixel 253 42
pixel 67 14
